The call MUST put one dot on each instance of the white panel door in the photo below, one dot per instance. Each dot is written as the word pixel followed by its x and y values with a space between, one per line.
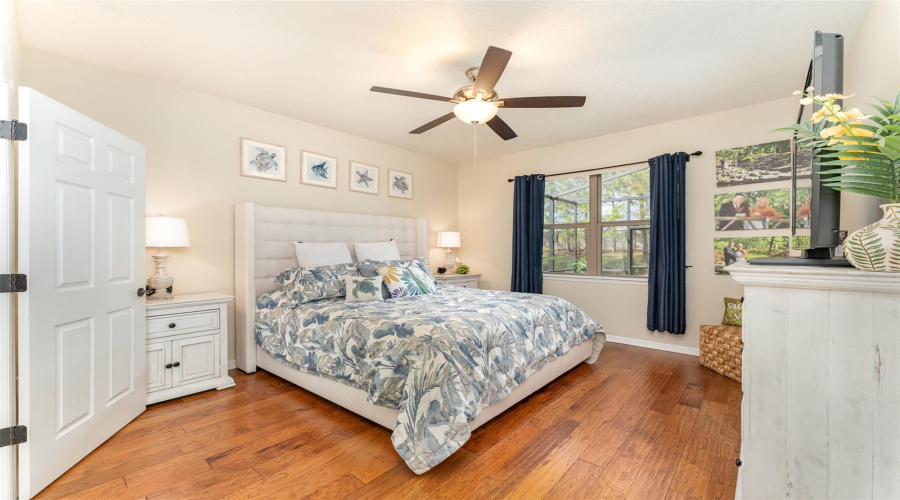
pixel 81 323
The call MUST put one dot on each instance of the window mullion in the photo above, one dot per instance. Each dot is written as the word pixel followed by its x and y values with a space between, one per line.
pixel 593 235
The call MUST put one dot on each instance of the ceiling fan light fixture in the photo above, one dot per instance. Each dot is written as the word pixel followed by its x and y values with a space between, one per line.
pixel 475 111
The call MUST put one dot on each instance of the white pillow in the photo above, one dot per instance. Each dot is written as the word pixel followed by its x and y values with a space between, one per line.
pixel 311 255
pixel 381 250
pixel 362 289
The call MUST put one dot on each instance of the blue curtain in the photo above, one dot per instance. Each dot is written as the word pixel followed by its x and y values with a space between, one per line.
pixel 528 234
pixel 666 301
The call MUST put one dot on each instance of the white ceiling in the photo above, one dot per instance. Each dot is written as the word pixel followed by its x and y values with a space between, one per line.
pixel 638 63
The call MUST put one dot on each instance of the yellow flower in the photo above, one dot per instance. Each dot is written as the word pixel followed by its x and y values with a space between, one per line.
pixel 835 97
pixel 819 115
pixel 806 101
pixel 835 131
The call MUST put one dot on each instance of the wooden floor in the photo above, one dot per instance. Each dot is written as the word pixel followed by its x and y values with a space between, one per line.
pixel 637 424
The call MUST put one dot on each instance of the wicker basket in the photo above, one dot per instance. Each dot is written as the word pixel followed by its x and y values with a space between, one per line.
pixel 720 349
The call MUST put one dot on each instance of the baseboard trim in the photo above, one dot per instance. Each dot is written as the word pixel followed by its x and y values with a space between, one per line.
pixel 232 364
pixel 691 351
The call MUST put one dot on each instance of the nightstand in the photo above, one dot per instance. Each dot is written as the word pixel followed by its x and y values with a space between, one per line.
pixel 463 280
pixel 187 345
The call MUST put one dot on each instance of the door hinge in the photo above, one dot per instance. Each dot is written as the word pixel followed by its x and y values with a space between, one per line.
pixel 12 436
pixel 13 283
pixel 13 130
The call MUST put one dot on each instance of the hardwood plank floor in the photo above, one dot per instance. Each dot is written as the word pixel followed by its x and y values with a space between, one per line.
pixel 636 424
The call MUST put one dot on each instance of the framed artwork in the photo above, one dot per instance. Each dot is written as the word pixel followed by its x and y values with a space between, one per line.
pixel 767 209
pixel 767 162
pixel 400 184
pixel 263 161
pixel 318 170
pixel 363 178
pixel 728 251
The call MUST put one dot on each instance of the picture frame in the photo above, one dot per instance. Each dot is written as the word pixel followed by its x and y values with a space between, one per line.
pixel 263 161
pixel 364 178
pixel 318 170
pixel 400 184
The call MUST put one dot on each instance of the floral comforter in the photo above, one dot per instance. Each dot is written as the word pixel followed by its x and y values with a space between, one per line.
pixel 437 358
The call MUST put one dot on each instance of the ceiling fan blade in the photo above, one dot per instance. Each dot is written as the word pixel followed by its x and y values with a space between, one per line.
pixel 433 123
pixel 492 66
pixel 558 101
pixel 501 128
pixel 407 93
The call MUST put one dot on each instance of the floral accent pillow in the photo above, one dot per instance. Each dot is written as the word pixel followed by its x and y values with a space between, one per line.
pixel 418 263
pixel 360 289
pixel 405 281
pixel 310 285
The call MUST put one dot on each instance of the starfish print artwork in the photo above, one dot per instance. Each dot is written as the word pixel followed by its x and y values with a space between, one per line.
pixel 364 178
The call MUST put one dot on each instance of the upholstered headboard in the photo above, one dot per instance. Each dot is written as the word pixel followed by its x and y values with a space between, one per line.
pixel 263 247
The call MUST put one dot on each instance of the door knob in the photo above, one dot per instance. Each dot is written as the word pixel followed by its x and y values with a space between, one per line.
pixel 141 292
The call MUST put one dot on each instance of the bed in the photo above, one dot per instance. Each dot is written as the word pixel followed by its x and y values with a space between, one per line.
pixel 267 334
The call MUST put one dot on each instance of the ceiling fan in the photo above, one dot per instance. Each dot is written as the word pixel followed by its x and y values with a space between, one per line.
pixel 479 102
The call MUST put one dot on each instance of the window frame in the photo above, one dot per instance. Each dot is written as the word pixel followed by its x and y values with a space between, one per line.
pixel 594 233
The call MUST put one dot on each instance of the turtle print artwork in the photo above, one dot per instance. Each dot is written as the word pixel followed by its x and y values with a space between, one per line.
pixel 400 184
pixel 360 289
pixel 318 170
pixel 363 178
pixel 264 161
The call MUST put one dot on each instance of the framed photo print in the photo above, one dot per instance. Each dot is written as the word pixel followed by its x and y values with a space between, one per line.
pixel 363 178
pixel 400 184
pixel 318 170
pixel 263 161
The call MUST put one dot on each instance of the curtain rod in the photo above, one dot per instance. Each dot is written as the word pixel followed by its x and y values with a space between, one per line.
pixel 695 153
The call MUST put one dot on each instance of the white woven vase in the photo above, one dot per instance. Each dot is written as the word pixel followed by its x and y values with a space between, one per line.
pixel 876 247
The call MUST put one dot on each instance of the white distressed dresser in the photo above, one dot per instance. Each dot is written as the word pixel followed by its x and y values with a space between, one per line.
pixel 463 280
pixel 187 345
pixel 820 416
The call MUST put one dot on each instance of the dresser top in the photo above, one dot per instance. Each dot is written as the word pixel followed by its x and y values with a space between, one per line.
pixel 817 278
pixel 196 298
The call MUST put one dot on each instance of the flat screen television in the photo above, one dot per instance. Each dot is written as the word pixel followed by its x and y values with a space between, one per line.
pixel 816 208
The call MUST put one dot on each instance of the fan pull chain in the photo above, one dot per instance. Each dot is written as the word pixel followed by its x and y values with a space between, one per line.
pixel 475 146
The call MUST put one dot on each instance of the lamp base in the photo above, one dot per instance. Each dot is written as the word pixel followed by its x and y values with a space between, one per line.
pixel 448 262
pixel 160 283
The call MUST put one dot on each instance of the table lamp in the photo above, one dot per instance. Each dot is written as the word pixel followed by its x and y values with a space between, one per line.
pixel 164 232
pixel 448 240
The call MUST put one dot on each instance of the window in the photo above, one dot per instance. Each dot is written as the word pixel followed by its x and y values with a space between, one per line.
pixel 598 224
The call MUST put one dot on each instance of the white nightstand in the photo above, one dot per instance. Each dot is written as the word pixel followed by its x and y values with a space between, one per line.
pixel 463 280
pixel 187 345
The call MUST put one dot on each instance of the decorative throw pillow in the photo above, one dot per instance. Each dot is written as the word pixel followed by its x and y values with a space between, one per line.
pixel 405 281
pixel 360 289
pixel 309 285
pixel 368 271
pixel 734 312
pixel 420 262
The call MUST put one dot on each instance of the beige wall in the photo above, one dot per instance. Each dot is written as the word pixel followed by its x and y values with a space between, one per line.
pixel 872 67
pixel 192 144
pixel 485 213
pixel 485 198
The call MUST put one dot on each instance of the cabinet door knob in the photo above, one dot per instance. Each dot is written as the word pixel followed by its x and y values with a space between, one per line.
pixel 176 364
pixel 168 365
pixel 171 325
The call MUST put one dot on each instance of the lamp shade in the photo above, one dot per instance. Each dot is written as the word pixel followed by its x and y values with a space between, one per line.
pixel 448 239
pixel 166 232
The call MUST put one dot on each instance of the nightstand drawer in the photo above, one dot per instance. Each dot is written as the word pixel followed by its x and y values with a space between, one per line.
pixel 171 324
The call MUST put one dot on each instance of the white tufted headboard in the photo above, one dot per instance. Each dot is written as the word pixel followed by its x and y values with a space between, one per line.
pixel 263 247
